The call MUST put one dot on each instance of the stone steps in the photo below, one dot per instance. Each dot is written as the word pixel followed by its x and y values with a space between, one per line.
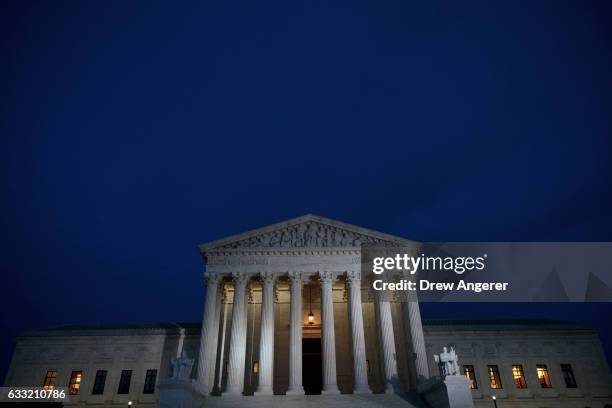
pixel 313 401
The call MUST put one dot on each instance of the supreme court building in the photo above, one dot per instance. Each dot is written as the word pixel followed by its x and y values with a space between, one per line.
pixel 288 320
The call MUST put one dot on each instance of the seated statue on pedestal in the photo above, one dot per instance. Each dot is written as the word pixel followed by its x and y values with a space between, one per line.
pixel 448 362
pixel 181 367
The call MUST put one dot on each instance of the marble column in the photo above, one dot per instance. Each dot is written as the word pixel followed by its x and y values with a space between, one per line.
pixel 295 335
pixel 214 339
pixel 328 336
pixel 412 319
pixel 208 335
pixel 360 373
pixel 387 341
pixel 266 343
pixel 237 351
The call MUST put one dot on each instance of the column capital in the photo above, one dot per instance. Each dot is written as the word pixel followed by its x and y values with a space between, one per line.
pixel 240 278
pixel 353 277
pixel 268 278
pixel 295 277
pixel 326 277
pixel 212 278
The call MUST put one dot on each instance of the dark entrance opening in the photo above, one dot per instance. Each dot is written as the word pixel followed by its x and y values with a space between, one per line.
pixel 312 366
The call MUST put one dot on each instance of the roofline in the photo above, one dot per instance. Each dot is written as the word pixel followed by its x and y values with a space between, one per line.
pixel 506 325
pixel 205 247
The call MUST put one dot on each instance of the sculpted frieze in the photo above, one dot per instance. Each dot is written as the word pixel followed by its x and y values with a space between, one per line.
pixel 308 234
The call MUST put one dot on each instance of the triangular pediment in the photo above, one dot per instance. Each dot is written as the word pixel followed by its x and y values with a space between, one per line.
pixel 308 231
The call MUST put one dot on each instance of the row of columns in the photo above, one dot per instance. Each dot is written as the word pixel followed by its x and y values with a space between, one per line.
pixel 237 351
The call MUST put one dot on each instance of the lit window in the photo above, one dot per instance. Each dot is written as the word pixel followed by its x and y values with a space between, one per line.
pixel 255 367
pixel 75 382
pixel 124 382
pixel 543 376
pixel 49 381
pixel 568 376
pixel 470 375
pixel 494 378
pixel 99 382
pixel 149 385
pixel 519 376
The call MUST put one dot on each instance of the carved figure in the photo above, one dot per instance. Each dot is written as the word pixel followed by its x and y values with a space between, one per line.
pixel 181 367
pixel 309 234
pixel 448 362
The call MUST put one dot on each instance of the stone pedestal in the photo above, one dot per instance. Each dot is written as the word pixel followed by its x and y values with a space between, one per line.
pixel 178 394
pixel 453 392
pixel 458 390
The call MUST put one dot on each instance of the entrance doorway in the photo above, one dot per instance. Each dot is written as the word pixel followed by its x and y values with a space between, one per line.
pixel 312 366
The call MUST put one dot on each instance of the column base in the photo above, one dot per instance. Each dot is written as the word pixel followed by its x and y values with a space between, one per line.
pixel 364 389
pixel 233 390
pixel 330 390
pixel 200 388
pixel 264 390
pixel 297 390
pixel 389 388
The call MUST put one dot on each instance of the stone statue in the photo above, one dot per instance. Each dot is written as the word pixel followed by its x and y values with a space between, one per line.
pixel 320 236
pixel 181 367
pixel 454 359
pixel 448 362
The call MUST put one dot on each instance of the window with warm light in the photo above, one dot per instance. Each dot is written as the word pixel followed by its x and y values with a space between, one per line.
pixel 75 382
pixel 99 381
pixel 568 376
pixel 544 376
pixel 470 375
pixel 49 381
pixel 519 376
pixel 494 379
pixel 255 367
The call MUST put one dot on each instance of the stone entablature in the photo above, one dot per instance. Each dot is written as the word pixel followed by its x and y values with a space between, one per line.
pixel 282 263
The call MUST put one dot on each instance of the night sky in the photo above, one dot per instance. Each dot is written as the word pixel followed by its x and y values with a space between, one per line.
pixel 134 131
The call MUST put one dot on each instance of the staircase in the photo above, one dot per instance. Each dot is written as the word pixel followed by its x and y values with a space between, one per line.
pixel 315 401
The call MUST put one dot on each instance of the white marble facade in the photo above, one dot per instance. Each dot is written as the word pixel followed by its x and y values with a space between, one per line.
pixel 261 286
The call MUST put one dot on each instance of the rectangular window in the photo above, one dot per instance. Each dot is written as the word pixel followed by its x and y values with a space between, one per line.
pixel 494 378
pixel 75 382
pixel 519 376
pixel 124 382
pixel 99 382
pixel 568 376
pixel 543 376
pixel 149 384
pixel 49 381
pixel 470 375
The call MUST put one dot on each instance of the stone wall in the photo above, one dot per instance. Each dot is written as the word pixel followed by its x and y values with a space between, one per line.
pixel 528 345
pixel 139 349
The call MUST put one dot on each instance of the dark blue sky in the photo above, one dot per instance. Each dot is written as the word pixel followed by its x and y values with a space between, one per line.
pixel 133 131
